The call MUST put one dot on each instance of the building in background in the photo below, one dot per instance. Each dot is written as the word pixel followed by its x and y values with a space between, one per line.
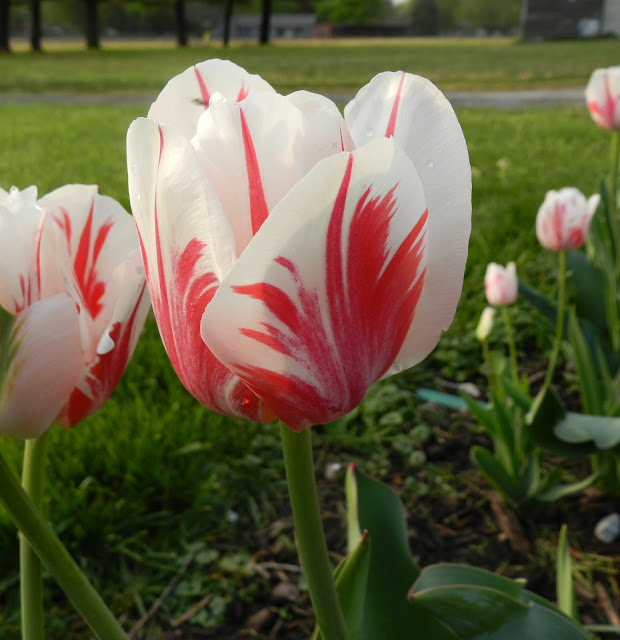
pixel 553 19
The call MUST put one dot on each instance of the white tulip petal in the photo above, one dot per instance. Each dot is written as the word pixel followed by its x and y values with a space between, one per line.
pixel 43 368
pixel 185 98
pixel 319 303
pixel 422 122
pixel 187 248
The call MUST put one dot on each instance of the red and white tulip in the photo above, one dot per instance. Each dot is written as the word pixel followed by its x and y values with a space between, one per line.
pixel 294 256
pixel 500 284
pixel 564 218
pixel 74 300
pixel 603 97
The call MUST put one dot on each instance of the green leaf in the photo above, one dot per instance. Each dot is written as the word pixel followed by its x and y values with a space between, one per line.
pixel 443 399
pixel 586 367
pixel 351 578
pixel 547 411
pixel 444 574
pixel 497 475
pixel 477 605
pixel 354 533
pixel 586 283
pixel 387 615
pixel 553 490
pixel 577 428
pixel 565 590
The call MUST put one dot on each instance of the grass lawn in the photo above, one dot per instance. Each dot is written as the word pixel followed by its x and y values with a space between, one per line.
pixel 154 481
pixel 324 66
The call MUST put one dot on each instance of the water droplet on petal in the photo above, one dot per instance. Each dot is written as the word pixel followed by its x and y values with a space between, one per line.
pixel 106 344
pixel 430 164
pixel 370 133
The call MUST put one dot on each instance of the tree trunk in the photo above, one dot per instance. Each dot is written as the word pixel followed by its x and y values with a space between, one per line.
pixel 35 18
pixel 180 22
pixel 523 18
pixel 265 22
pixel 5 29
pixel 92 24
pixel 228 12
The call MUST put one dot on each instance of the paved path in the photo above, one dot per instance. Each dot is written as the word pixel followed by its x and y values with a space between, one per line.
pixel 493 99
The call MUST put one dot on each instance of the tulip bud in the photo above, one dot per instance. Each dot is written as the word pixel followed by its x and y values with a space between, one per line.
pixel 500 284
pixel 603 97
pixel 485 324
pixel 564 218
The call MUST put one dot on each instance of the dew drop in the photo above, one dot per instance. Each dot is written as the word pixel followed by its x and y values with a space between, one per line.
pixel 106 344
pixel 370 133
pixel 430 164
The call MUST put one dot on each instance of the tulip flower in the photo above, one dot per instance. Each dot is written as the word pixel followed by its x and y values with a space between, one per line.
pixel 485 324
pixel 500 284
pixel 294 256
pixel 72 304
pixel 564 218
pixel 603 97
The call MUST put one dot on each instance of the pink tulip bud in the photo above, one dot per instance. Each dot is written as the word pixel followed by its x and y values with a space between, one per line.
pixel 500 284
pixel 603 97
pixel 564 218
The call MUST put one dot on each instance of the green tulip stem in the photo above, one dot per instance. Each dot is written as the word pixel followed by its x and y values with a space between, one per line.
pixel 51 551
pixel 299 465
pixel 510 336
pixel 559 328
pixel 488 365
pixel 31 581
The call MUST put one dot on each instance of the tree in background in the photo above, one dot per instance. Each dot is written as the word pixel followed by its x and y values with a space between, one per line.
pixel 228 13
pixel 425 18
pixel 489 14
pixel 92 24
pixel 5 15
pixel 35 25
pixel 350 11
pixel 180 22
pixel 265 21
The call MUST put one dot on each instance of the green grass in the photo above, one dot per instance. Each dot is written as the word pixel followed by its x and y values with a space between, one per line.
pixel 324 66
pixel 153 475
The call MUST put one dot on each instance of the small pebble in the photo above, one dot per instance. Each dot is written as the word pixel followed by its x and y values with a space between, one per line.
pixel 232 516
pixel 285 592
pixel 333 470
pixel 607 530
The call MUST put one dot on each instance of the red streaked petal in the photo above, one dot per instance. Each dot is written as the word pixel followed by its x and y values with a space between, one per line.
pixel 254 152
pixel 99 379
pixel 84 239
pixel 45 365
pixel 187 248
pixel 20 231
pixel 424 125
pixel 258 204
pixel 185 97
pixel 318 305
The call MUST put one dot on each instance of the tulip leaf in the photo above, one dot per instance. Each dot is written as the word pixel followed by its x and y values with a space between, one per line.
pixel 495 472
pixel 546 414
pixel 578 428
pixel 585 283
pixel 564 577
pixel 374 507
pixel 351 578
pixel 446 602
pixel 476 604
